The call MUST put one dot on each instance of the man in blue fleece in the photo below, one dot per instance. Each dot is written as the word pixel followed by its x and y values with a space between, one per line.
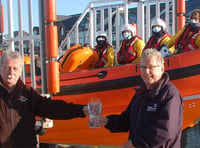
pixel 154 116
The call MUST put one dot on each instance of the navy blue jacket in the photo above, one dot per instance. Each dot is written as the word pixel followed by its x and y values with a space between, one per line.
pixel 153 118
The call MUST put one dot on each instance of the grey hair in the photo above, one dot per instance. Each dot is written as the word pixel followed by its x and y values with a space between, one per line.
pixel 10 54
pixel 151 52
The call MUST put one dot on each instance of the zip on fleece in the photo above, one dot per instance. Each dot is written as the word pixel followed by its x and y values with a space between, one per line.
pixel 13 126
pixel 139 113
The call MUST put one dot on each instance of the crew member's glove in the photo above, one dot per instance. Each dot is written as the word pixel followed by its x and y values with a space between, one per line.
pixel 164 49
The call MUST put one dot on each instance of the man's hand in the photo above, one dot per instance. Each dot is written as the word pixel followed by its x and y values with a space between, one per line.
pixel 86 110
pixel 128 144
pixel 103 121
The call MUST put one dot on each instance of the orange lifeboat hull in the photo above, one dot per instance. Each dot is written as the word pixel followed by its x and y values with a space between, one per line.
pixel 114 86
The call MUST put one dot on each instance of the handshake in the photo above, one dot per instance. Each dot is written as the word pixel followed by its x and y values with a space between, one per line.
pixel 93 109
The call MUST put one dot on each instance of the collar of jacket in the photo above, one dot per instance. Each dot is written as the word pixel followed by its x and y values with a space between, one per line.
pixel 156 88
pixel 99 47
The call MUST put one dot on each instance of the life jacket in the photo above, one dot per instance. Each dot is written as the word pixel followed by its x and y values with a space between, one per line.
pixel 127 54
pixel 101 51
pixel 155 41
pixel 186 42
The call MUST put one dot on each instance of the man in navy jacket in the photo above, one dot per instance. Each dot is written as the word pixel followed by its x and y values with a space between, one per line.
pixel 154 116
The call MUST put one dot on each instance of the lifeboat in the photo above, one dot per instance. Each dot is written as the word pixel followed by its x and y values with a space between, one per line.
pixel 114 86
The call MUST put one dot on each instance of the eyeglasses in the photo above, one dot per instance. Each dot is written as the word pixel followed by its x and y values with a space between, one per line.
pixel 150 67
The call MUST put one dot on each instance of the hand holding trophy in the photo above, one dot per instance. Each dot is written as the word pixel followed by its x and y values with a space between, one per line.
pixel 94 107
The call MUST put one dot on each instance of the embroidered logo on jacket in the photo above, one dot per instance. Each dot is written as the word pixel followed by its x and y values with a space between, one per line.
pixel 22 99
pixel 152 108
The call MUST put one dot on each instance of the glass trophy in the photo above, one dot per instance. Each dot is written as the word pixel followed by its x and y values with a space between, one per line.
pixel 94 107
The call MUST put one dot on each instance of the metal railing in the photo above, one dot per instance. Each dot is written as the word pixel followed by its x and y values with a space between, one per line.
pixel 114 13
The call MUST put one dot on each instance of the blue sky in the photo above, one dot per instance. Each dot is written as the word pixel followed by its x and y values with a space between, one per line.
pixel 68 7
pixel 64 7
